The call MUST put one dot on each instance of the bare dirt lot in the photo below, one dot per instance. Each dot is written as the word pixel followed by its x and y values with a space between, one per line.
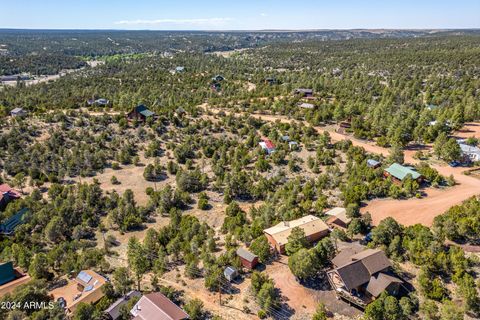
pixel 303 300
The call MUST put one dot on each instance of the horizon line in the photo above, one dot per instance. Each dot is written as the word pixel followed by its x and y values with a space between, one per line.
pixel 241 30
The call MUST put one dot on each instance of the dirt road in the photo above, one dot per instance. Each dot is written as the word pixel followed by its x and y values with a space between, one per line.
pixel 410 211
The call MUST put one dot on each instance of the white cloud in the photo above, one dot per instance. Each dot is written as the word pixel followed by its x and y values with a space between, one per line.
pixel 263 14
pixel 194 22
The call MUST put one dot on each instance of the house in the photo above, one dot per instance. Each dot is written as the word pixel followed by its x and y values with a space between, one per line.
pixel 304 93
pixel 399 172
pixel 469 153
pixel 230 273
pixel 314 229
pixel 18 112
pixel 305 105
pixel 248 259
pixel 14 77
pixel 359 276
pixel 179 69
pixel 102 101
pixel 372 163
pixel 7 194
pixel 9 225
pixel 11 278
pixel 218 78
pixel 140 113
pixel 155 306
pixel 338 218
pixel 113 312
pixel 267 145
pixel 86 287
pixel 293 145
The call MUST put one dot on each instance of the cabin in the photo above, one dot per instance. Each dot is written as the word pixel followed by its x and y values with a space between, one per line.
pixel 230 273
pixel 114 311
pixel 154 306
pixel 360 275
pixel 14 77
pixel 304 93
pixel 248 259
pixel 100 102
pixel 18 112
pixel 9 225
pixel 399 173
pixel 314 229
pixel 11 278
pixel 372 163
pixel 267 145
pixel 86 288
pixel 140 113
pixel 338 218
pixel 7 194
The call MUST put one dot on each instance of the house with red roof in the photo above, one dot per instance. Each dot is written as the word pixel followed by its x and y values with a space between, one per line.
pixel 267 145
pixel 7 194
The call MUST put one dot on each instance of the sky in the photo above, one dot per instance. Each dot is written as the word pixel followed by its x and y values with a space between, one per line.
pixel 239 14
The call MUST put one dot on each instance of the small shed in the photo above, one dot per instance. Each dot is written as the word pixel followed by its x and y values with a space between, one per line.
pixel 293 145
pixel 304 92
pixel 230 273
pixel 305 105
pixel 372 163
pixel 18 112
pixel 180 69
pixel 248 259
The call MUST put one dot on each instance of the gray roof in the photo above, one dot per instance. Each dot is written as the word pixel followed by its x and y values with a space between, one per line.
pixel 17 110
pixel 343 257
pixel 114 309
pixel 374 260
pixel 468 149
pixel 245 254
pixel 229 271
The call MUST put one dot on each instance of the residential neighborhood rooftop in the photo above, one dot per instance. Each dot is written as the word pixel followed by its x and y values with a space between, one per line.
pixel 401 172
pixel 310 225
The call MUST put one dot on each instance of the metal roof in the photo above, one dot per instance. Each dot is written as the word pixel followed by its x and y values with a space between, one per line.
pixel 401 172
pixel 245 254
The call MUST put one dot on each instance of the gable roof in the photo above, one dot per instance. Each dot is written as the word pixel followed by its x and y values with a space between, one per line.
pixel 245 254
pixel 374 260
pixel 358 268
pixel 143 110
pixel 354 274
pixel 154 306
pixel 310 225
pixel 269 144
pixel 340 214
pixel 17 110
pixel 9 225
pixel 400 172
pixel 380 282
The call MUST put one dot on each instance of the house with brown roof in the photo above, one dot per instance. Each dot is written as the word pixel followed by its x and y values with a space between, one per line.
pixel 86 287
pixel 359 276
pixel 11 278
pixel 155 306
pixel 314 229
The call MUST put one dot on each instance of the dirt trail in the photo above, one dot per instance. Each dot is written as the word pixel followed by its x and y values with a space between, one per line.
pixel 410 211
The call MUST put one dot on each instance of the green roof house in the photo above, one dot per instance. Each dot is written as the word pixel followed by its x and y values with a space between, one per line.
pixel 141 113
pixel 10 224
pixel 7 272
pixel 400 172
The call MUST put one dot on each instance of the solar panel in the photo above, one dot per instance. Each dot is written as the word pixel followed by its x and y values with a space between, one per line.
pixel 85 277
